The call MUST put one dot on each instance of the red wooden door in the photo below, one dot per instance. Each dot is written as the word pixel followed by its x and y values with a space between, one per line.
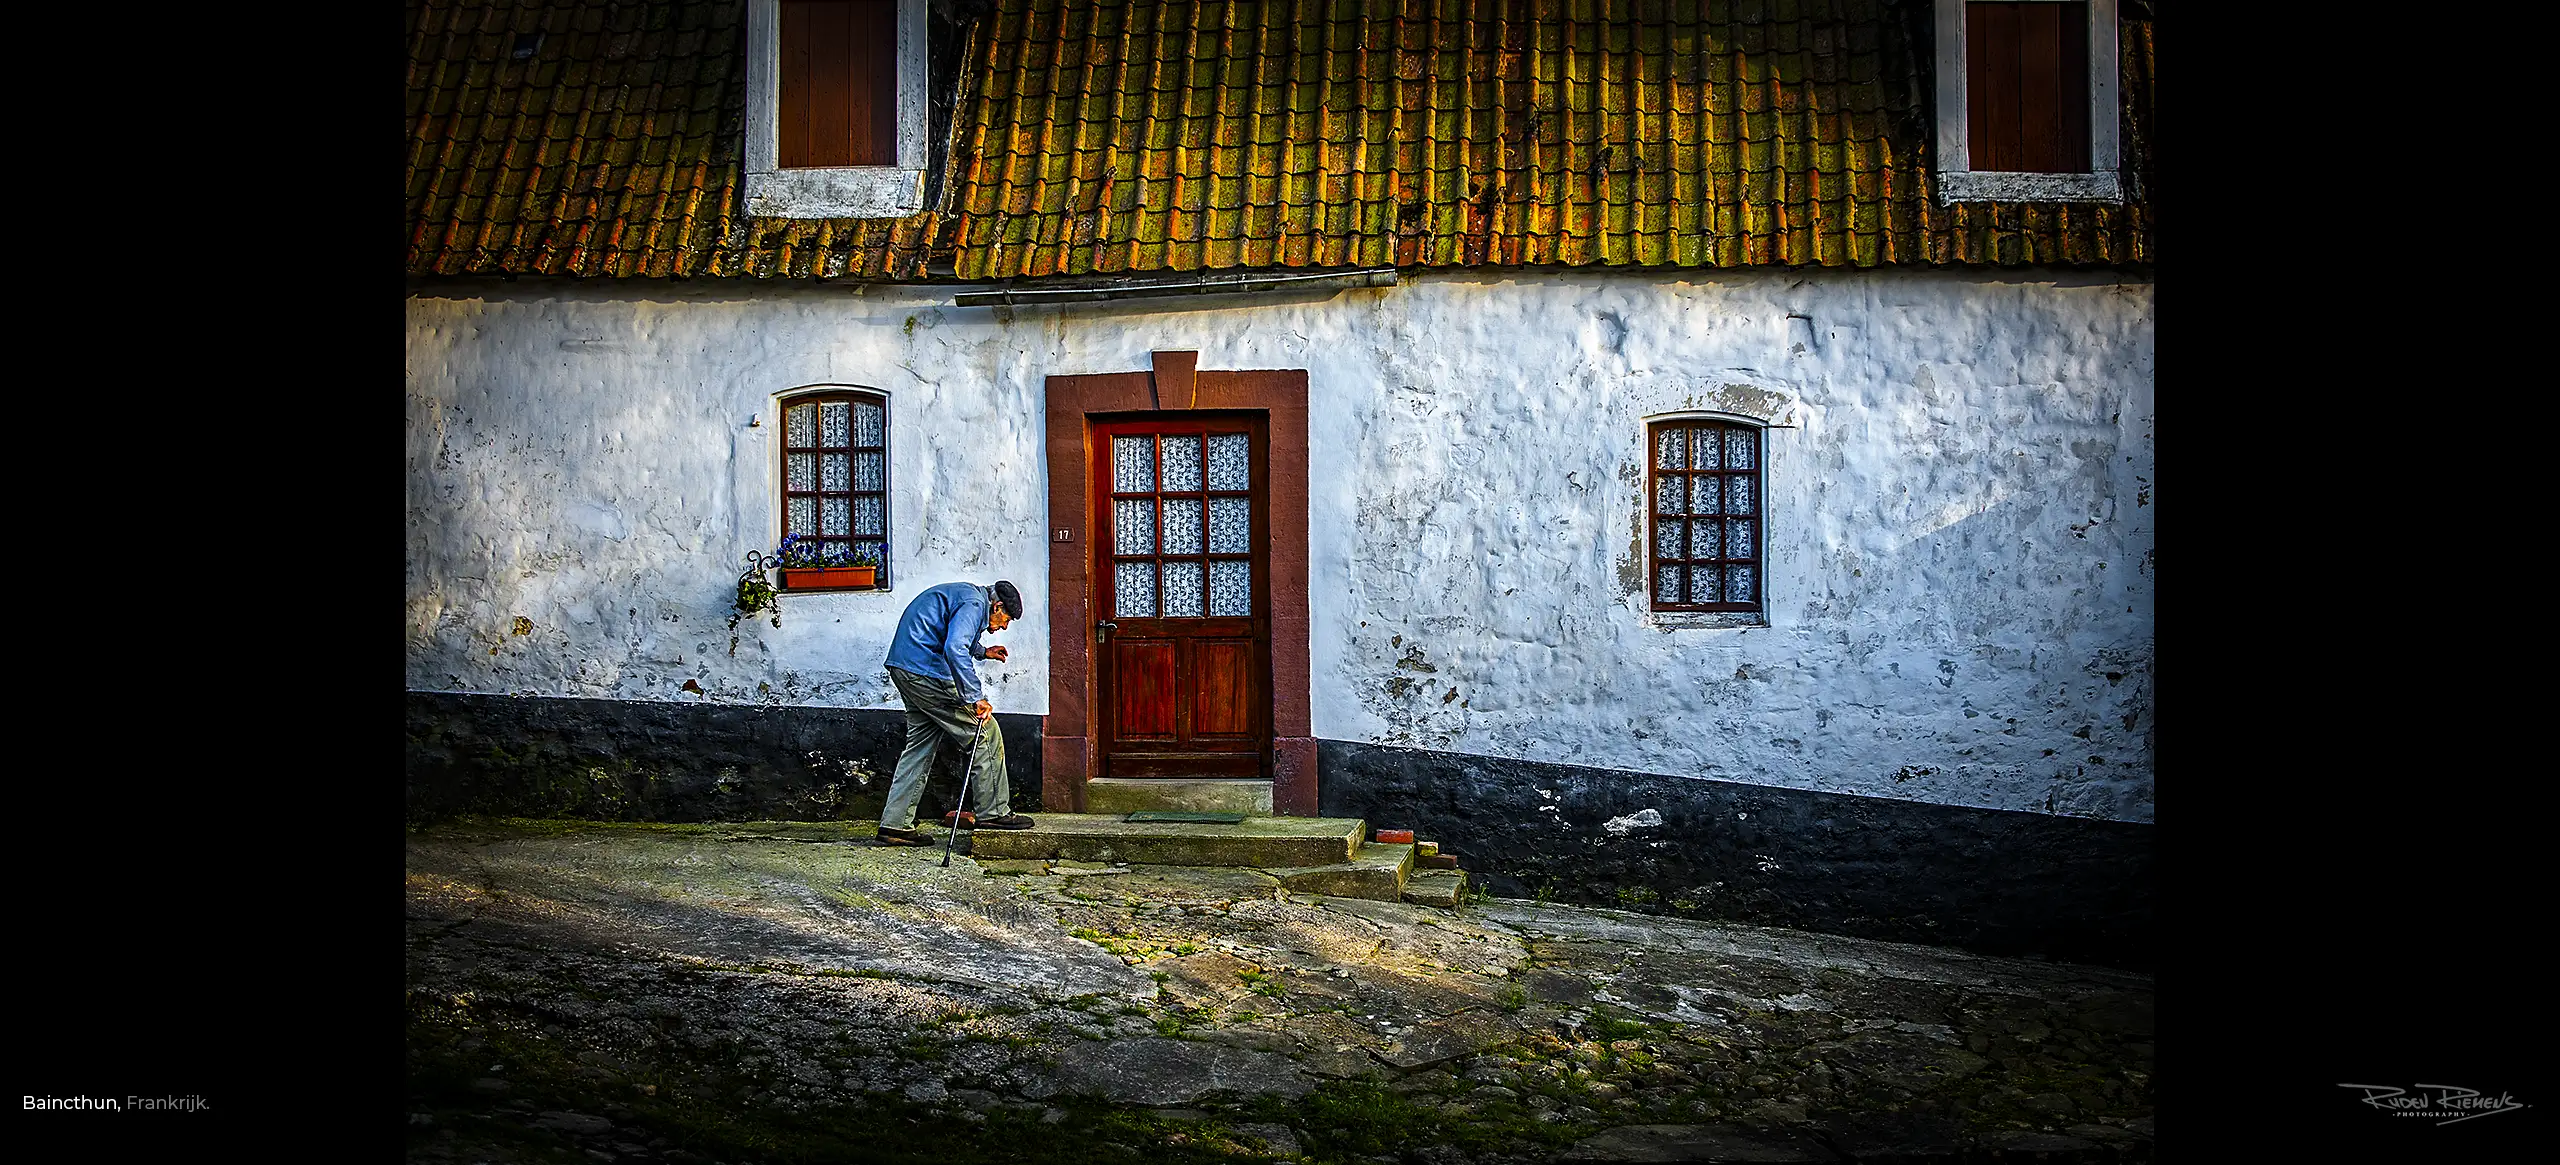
pixel 1182 580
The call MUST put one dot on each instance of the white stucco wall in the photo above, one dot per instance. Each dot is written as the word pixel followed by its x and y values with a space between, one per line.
pixel 1958 532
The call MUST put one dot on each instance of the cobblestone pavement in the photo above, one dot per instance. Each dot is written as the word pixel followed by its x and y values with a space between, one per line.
pixel 778 992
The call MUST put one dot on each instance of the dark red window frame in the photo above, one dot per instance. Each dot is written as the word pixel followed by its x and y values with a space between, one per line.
pixel 818 494
pixel 1671 497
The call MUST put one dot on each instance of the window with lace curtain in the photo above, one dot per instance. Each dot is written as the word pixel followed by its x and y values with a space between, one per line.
pixel 835 477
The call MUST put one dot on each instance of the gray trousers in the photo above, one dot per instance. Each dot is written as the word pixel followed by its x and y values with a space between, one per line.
pixel 936 715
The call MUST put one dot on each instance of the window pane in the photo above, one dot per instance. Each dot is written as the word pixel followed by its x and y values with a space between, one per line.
pixel 1666 584
pixel 1666 538
pixel 804 472
pixel 1702 494
pixel 1181 463
pixel 866 553
pixel 835 424
pixel 1670 449
pixel 1671 495
pixel 1737 585
pixel 870 471
pixel 866 516
pixel 1702 540
pixel 1702 585
pixel 835 472
pixel 800 425
pixel 1739 451
pixel 1703 456
pixel 804 517
pixel 1133 526
pixel 1737 498
pixel 1182 525
pixel 834 517
pixel 1133 465
pixel 1182 590
pixel 868 419
pixel 1230 461
pixel 1230 525
pixel 1133 587
pixel 1230 589
pixel 1737 537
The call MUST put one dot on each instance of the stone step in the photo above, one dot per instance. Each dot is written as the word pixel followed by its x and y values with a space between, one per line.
pixel 1439 888
pixel 1263 842
pixel 1179 794
pixel 1377 872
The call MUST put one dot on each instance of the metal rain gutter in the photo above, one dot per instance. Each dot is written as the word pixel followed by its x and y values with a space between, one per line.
pixel 1206 285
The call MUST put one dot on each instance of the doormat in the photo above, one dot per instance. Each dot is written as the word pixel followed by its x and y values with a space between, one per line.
pixel 1161 817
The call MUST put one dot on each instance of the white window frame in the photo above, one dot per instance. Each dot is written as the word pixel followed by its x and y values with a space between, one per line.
pixel 1958 181
pixel 838 191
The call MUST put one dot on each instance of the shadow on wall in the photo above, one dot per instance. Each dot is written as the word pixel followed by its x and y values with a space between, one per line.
pixel 1997 882
pixel 619 760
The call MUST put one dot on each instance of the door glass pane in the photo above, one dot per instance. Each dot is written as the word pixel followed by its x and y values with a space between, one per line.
pixel 1182 525
pixel 1133 526
pixel 1230 465
pixel 1230 525
pixel 1133 587
pixel 866 517
pixel 1737 495
pixel 835 472
pixel 1666 584
pixel 1670 449
pixel 1702 540
pixel 1702 584
pixel 867 422
pixel 834 516
pixel 1230 588
pixel 1666 538
pixel 1704 454
pixel 1181 463
pixel 804 517
pixel 804 472
pixel 1133 465
pixel 868 471
pixel 1182 590
pixel 1702 494
pixel 835 424
pixel 1738 448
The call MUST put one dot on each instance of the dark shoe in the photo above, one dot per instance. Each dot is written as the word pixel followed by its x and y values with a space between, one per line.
pixel 890 836
pixel 1008 821
pixel 959 819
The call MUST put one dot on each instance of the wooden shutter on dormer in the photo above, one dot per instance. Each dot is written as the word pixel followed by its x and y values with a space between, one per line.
pixel 839 83
pixel 2027 86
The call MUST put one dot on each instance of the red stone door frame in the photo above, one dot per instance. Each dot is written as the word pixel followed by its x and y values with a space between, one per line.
pixel 1067 758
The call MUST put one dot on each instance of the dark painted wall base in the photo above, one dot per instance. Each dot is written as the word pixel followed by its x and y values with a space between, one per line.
pixel 628 760
pixel 1986 880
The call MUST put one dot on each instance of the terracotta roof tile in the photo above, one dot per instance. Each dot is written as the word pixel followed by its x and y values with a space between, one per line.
pixel 1137 135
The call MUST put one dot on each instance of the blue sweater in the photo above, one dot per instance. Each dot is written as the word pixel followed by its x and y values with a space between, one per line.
pixel 938 636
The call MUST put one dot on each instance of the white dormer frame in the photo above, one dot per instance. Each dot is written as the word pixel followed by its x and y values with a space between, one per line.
pixel 841 191
pixel 1958 181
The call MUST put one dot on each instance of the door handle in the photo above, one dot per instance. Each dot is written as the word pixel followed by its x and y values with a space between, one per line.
pixel 1103 629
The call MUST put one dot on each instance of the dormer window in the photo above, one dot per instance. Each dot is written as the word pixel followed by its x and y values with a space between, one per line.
pixel 2027 101
pixel 835 108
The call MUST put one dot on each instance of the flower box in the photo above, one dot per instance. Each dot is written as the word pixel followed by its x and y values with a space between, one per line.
pixel 829 578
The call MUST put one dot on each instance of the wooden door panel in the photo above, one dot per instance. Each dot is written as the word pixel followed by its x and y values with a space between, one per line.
pixel 1222 687
pixel 1182 572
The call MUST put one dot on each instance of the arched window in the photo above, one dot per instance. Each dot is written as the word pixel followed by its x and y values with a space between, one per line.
pixel 1706 506
pixel 835 476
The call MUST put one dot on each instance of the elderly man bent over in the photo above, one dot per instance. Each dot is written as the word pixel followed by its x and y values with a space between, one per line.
pixel 931 660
